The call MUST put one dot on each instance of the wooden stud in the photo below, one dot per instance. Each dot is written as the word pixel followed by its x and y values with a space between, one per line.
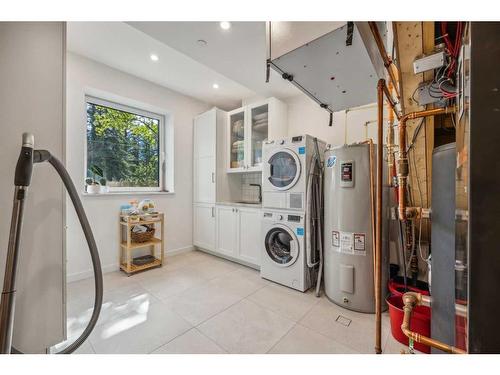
pixel 428 38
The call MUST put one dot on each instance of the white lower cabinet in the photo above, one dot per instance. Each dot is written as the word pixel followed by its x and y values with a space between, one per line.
pixel 227 228
pixel 231 231
pixel 249 237
pixel 204 225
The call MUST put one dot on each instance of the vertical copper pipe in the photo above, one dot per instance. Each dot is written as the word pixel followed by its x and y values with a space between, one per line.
pixel 378 220
pixel 390 140
pixel 389 66
pixel 372 199
pixel 403 156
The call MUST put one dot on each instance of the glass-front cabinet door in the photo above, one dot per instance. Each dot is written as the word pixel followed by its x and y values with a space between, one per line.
pixel 259 130
pixel 237 157
pixel 249 128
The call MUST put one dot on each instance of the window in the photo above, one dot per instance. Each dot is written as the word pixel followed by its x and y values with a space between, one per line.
pixel 124 147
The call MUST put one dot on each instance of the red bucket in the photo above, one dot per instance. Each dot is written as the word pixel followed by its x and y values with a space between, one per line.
pixel 420 322
pixel 398 289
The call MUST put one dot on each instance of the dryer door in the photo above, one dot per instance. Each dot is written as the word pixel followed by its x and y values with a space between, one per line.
pixel 282 246
pixel 283 169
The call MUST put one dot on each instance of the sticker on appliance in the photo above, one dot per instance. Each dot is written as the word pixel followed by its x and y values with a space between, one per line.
pixel 300 231
pixel 359 243
pixel 347 242
pixel 302 150
pixel 330 163
pixel 335 238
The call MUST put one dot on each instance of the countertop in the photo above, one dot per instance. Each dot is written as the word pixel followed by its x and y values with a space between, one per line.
pixel 241 204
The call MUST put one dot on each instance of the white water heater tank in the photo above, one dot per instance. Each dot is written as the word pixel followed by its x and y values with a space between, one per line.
pixel 348 239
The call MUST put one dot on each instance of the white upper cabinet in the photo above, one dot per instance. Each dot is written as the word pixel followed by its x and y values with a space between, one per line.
pixel 207 127
pixel 237 139
pixel 204 157
pixel 249 128
pixel 205 133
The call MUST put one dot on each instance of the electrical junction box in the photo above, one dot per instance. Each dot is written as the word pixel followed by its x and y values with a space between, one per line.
pixel 429 62
pixel 429 94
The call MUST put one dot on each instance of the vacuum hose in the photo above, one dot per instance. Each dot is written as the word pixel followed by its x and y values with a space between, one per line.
pixel 22 181
pixel 314 216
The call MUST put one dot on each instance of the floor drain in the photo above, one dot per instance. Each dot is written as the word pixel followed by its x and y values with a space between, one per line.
pixel 343 320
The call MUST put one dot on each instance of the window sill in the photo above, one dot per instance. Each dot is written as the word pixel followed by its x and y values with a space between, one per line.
pixel 126 193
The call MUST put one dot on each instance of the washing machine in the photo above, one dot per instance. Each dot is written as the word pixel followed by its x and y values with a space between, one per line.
pixel 286 164
pixel 284 259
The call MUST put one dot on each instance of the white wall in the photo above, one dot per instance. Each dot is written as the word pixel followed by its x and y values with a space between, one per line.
pixel 84 75
pixel 32 100
pixel 306 117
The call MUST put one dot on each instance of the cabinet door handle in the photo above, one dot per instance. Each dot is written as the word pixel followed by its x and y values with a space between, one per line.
pixel 213 211
pixel 213 177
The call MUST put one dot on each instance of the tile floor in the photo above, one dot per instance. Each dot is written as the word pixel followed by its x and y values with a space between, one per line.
pixel 198 303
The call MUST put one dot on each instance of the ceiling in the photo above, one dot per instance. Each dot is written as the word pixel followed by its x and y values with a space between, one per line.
pixel 239 53
pixel 234 59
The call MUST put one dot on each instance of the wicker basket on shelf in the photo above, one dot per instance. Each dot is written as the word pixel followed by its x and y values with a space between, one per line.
pixel 146 236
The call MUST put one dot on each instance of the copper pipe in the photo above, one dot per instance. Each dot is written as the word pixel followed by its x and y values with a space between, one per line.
pixel 383 53
pixel 381 90
pixel 404 212
pixel 378 219
pixel 391 102
pixel 410 300
pixel 390 140
pixel 372 201
pixel 390 107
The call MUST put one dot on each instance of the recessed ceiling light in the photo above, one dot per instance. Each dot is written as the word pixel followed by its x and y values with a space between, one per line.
pixel 215 86
pixel 154 57
pixel 225 25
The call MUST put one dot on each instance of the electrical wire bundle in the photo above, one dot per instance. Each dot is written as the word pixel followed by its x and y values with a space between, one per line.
pixel 443 86
pixel 444 77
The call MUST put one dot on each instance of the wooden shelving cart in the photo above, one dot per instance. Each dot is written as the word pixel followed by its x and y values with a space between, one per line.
pixel 127 246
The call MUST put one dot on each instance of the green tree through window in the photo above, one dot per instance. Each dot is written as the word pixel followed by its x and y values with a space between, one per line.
pixel 124 145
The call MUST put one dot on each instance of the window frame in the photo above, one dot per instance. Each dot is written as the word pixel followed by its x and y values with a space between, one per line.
pixel 161 139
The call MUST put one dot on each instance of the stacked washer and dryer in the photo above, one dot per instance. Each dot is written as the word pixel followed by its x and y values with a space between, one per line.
pixel 289 255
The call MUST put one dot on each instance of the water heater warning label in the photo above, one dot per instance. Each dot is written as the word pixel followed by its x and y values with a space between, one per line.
pixel 335 238
pixel 349 243
pixel 359 243
pixel 346 242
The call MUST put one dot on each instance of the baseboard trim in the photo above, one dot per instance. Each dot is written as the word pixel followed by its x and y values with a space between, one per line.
pixel 232 259
pixel 115 266
pixel 90 273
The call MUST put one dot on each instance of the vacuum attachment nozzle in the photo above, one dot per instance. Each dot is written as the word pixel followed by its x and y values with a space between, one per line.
pixel 24 167
pixel 28 140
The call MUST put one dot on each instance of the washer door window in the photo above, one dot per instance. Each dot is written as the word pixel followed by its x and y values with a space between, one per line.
pixel 281 246
pixel 284 169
